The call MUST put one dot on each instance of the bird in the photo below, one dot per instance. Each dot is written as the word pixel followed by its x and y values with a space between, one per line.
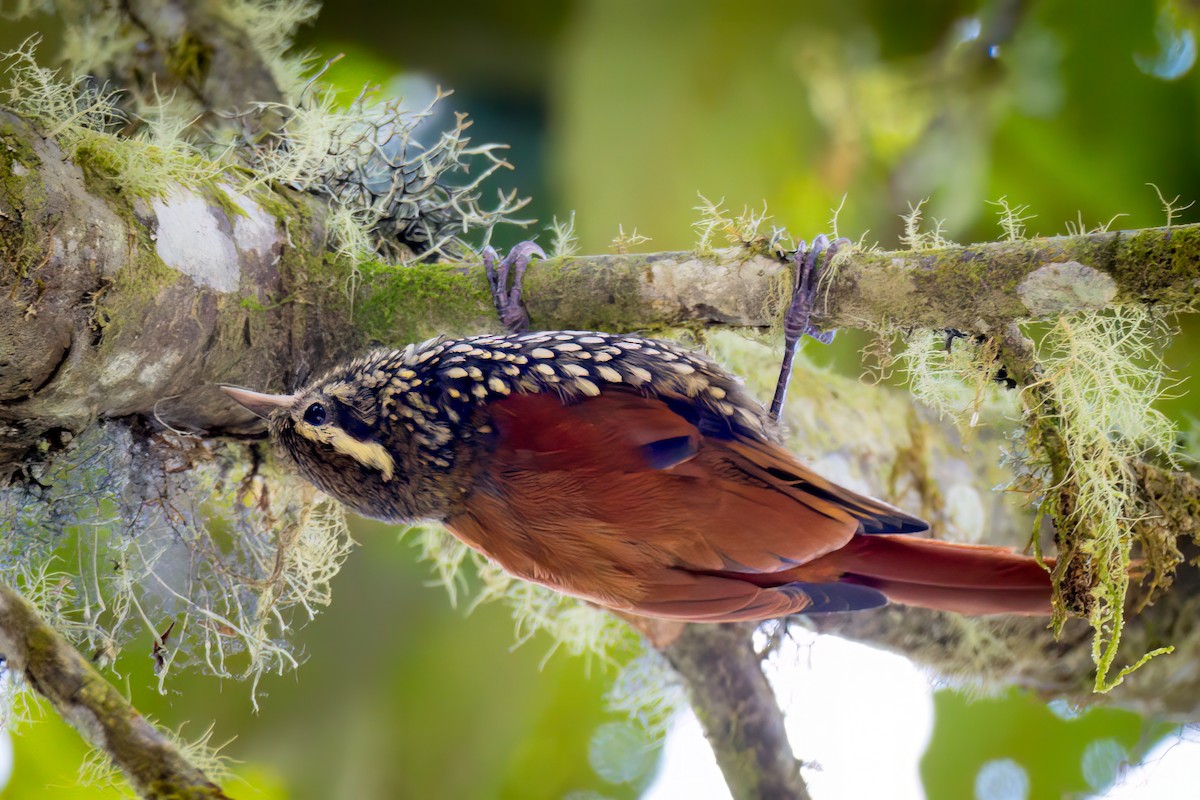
pixel 631 472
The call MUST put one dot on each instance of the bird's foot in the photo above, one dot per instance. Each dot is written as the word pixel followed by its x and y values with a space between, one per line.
pixel 508 297
pixel 797 321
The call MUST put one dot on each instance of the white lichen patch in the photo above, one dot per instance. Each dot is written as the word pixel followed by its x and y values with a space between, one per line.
pixel 129 368
pixel 236 557
pixel 159 371
pixel 1058 288
pixel 120 367
pixel 255 231
pixel 190 239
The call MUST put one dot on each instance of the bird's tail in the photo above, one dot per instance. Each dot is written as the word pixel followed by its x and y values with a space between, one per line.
pixel 948 576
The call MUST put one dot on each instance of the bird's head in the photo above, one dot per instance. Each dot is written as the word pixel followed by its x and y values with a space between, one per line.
pixel 330 430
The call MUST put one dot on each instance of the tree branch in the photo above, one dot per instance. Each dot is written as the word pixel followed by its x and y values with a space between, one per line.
pixel 98 282
pixel 153 765
pixel 738 711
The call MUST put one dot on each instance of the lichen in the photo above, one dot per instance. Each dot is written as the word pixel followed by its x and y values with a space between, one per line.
pixel 97 771
pixel 1089 420
pixel 748 229
pixel 269 550
pixel 563 241
pixel 1090 417
pixel 953 374
pixel 914 238
pixel 85 123
pixel 389 197
pixel 1012 218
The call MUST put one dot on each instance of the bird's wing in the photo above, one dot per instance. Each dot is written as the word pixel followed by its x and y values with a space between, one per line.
pixel 775 465
pixel 619 498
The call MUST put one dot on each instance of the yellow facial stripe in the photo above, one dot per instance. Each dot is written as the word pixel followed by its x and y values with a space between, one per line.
pixel 369 454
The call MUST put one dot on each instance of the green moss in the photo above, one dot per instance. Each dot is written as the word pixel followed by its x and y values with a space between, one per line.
pixel 190 58
pixel 22 197
pixel 15 145
pixel 569 293
pixel 98 159
pixel 1159 265
pixel 217 196
pixel 961 282
pixel 397 307
pixel 137 284
pixel 112 165
pixel 283 206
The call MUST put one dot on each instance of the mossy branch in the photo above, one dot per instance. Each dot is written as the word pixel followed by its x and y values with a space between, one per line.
pixel 101 715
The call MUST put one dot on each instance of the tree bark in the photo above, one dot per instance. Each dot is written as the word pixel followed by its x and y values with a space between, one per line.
pixel 93 706
pixel 738 711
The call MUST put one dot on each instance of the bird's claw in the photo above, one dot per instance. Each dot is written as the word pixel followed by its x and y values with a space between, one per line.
pixel 809 263
pixel 797 320
pixel 508 297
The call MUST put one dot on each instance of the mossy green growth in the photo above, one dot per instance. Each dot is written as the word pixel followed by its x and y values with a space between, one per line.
pixel 189 59
pixel 15 145
pixel 397 303
pixel 960 282
pixel 218 196
pixel 123 299
pixel 137 168
pixel 22 194
pixel 1160 264
pixel 570 293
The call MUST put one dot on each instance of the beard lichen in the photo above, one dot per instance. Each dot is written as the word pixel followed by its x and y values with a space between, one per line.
pixel 133 536
pixel 390 197
pixel 748 229
pixel 1088 423
pixel 97 771
pixel 956 376
pixel 1090 419
pixel 86 121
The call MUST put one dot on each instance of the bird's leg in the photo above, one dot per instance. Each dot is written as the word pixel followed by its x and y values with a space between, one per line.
pixel 809 261
pixel 508 298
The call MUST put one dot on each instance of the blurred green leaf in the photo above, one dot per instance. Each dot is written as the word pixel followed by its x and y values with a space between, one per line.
pixel 1064 753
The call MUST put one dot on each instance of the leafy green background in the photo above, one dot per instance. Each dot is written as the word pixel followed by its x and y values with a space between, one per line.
pixel 622 110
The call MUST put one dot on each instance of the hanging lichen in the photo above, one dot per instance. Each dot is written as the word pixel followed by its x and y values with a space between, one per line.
pixel 1090 418
pixel 192 545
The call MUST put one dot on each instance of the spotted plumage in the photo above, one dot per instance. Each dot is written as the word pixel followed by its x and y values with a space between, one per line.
pixel 631 472
pixel 431 389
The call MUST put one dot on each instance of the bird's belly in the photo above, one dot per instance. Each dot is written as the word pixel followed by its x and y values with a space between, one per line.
pixel 597 562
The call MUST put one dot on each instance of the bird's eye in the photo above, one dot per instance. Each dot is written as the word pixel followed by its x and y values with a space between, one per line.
pixel 315 414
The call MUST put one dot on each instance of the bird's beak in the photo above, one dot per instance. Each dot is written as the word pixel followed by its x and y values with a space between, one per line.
pixel 260 404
